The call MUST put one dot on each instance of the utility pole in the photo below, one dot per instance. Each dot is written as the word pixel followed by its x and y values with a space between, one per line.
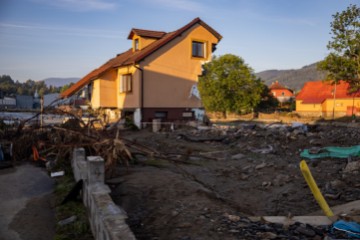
pixel 333 115
pixel 41 111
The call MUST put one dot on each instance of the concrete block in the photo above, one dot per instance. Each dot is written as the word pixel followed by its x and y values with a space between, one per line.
pixel 106 207
pixel 117 229
pixel 95 169
pixel 99 188
pixel 79 154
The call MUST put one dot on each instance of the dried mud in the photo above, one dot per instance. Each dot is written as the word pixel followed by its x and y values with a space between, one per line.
pixel 205 189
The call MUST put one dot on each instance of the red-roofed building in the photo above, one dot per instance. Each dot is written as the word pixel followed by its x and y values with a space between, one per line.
pixel 281 93
pixel 317 99
pixel 156 78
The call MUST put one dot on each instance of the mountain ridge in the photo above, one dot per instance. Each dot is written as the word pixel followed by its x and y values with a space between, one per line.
pixel 292 78
pixel 59 82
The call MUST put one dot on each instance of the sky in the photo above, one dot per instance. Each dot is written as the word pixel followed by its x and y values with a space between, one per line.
pixel 69 38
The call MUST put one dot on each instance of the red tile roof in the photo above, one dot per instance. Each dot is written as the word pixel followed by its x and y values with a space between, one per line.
pixel 120 58
pixel 277 85
pixel 319 91
pixel 129 57
pixel 146 33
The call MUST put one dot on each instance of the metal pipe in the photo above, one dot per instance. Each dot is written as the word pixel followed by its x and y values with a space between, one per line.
pixel 141 90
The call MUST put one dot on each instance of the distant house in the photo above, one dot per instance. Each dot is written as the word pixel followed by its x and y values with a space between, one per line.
pixel 156 78
pixel 7 103
pixel 50 98
pixel 281 93
pixel 317 99
pixel 24 102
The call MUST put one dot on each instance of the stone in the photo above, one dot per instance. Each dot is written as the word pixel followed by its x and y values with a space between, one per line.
pixel 315 142
pixel 305 231
pixel 67 220
pixel 352 166
pixel 266 235
pixel 174 213
pixel 266 184
pixel 237 156
pixel 260 166
pixel 233 218
pixel 337 184
pixel 184 225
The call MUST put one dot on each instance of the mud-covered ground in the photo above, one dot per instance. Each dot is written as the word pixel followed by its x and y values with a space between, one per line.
pixel 208 181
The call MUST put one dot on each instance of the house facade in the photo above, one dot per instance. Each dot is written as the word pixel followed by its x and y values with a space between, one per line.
pixel 7 103
pixel 156 78
pixel 321 99
pixel 281 93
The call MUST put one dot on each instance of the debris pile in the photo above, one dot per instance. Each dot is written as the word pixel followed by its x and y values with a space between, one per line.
pixel 207 182
pixel 241 169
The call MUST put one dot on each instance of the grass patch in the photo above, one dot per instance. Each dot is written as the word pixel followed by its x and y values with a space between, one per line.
pixel 78 229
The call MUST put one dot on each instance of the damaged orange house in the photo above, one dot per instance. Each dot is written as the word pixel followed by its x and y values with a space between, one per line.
pixel 156 78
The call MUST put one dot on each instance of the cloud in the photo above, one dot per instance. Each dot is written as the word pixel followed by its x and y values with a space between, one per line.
pixel 268 18
pixel 81 5
pixel 187 5
pixel 79 32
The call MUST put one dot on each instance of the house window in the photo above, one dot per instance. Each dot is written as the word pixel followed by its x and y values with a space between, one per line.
pixel 136 44
pixel 198 49
pixel 187 114
pixel 126 83
pixel 161 114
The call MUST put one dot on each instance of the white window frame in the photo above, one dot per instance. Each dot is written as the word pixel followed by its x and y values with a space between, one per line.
pixel 126 83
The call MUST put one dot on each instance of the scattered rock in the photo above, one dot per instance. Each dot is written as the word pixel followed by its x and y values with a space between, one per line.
pixel 184 225
pixel 260 166
pixel 67 220
pixel 266 184
pixel 237 156
pixel 352 166
pixel 305 231
pixel 267 150
pixel 232 218
pixel 266 235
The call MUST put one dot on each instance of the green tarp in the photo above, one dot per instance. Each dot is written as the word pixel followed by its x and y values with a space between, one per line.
pixel 333 152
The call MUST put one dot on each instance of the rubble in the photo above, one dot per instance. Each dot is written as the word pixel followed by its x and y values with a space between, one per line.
pixel 207 182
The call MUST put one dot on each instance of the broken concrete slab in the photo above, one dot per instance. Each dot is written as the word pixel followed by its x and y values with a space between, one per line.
pixel 311 220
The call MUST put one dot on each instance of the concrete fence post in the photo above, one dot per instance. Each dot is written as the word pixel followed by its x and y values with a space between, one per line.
pixel 96 170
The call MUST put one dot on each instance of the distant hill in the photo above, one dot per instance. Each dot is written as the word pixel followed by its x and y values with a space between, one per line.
pixel 59 82
pixel 294 78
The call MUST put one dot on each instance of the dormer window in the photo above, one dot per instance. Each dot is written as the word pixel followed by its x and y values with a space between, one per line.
pixel 198 49
pixel 136 44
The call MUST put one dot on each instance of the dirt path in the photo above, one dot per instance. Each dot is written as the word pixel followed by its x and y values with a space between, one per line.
pixel 25 209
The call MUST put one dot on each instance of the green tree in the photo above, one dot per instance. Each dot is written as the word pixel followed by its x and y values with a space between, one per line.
pixel 268 101
pixel 65 87
pixel 229 85
pixel 343 62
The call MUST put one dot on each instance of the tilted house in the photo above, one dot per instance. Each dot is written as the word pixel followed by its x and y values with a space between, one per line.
pixel 156 78
pixel 281 93
pixel 321 99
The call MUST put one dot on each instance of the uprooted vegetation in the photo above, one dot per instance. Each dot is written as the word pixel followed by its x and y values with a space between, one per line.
pixel 204 183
